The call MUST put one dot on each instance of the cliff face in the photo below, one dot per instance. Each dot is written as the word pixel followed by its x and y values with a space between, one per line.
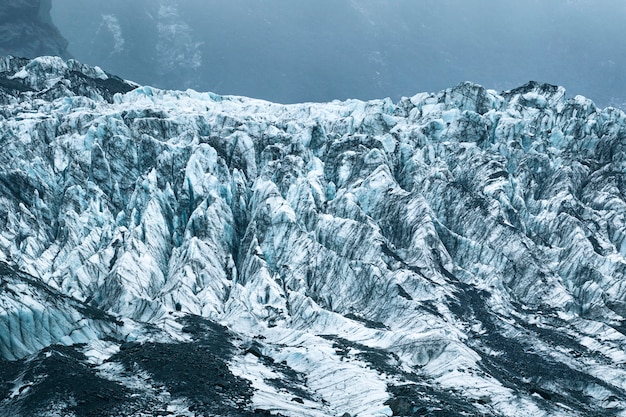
pixel 26 29
pixel 458 253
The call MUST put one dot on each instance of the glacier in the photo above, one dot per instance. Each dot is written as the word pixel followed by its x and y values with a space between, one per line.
pixel 458 253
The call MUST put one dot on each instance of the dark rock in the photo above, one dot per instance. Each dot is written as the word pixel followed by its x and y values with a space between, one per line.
pixel 26 30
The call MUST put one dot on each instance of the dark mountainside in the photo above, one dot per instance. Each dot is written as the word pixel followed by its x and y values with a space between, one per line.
pixel 26 30
pixel 295 51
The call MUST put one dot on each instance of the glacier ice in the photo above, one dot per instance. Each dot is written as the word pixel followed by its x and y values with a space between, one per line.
pixel 460 252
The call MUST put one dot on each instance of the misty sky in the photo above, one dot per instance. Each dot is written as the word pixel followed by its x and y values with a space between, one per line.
pixel 319 50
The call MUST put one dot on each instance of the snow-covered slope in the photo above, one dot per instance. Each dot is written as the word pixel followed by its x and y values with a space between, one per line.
pixel 451 254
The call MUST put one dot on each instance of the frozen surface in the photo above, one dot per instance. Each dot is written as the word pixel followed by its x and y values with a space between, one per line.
pixel 460 252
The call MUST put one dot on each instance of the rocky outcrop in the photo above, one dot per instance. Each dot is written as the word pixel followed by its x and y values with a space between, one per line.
pixel 457 253
pixel 26 30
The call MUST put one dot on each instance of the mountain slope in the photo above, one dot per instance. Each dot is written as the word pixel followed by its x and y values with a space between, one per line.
pixel 26 30
pixel 454 253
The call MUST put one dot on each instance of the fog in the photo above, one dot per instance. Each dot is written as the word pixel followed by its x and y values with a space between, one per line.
pixel 319 50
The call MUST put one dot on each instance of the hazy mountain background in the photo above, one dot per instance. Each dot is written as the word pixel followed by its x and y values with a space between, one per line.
pixel 293 51
pixel 26 29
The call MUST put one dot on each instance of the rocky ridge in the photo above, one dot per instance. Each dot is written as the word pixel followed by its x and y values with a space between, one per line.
pixel 455 253
pixel 26 30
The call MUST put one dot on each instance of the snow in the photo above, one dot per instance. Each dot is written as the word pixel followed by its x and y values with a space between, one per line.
pixel 269 398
